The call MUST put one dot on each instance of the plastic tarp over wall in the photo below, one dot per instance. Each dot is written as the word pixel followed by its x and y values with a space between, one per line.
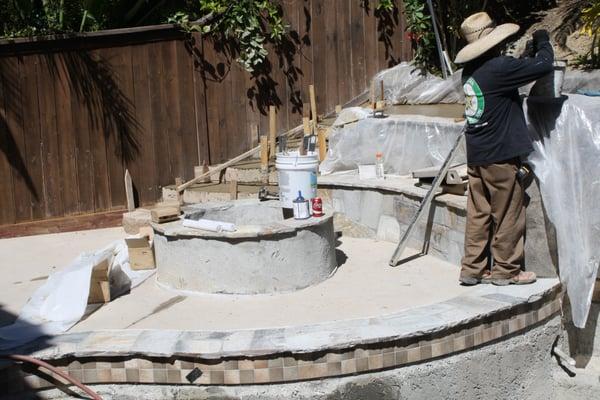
pixel 566 161
pixel 62 300
pixel 406 84
pixel 408 142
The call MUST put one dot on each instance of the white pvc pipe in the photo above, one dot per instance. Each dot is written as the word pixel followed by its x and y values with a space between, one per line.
pixel 209 225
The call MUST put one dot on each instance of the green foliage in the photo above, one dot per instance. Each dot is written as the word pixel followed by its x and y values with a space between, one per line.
pixel 591 27
pixel 449 16
pixel 43 17
pixel 420 31
pixel 386 5
pixel 249 23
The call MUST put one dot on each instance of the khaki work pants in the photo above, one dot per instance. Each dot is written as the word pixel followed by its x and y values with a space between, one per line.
pixel 495 221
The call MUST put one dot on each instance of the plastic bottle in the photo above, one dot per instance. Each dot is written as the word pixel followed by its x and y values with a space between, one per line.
pixel 379 171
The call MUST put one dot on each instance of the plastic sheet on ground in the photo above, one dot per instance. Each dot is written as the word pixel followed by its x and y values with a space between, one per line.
pixel 408 142
pixel 62 300
pixel 406 84
pixel 566 161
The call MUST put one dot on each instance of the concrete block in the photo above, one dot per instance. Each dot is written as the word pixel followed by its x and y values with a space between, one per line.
pixel 371 208
pixel 199 170
pixel 216 178
pixel 134 220
pixel 169 193
pixel 349 202
pixel 248 175
pixel 199 196
pixel 388 229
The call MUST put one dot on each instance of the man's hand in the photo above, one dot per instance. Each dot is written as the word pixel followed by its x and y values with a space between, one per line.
pixel 540 36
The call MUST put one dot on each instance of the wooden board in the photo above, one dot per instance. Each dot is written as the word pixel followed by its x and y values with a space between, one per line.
pixel 141 255
pixel 67 145
pixel 99 283
pixel 114 105
pixel 146 181
pixel 357 40
pixel 16 152
pixel 7 146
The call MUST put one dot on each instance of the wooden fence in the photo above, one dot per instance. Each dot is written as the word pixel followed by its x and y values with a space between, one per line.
pixel 76 111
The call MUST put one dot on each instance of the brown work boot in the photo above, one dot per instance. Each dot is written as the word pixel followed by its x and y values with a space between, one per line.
pixel 522 278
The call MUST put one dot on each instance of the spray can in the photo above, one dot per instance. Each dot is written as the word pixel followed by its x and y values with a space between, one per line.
pixel 317 207
pixel 301 207
pixel 379 171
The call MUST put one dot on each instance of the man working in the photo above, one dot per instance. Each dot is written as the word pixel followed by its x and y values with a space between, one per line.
pixel 497 138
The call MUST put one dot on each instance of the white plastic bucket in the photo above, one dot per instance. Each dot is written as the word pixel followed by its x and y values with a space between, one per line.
pixel 296 173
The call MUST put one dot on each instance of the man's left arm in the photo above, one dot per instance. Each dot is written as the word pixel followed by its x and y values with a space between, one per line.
pixel 519 72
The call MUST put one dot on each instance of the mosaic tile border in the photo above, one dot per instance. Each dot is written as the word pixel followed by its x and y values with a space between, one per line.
pixel 284 368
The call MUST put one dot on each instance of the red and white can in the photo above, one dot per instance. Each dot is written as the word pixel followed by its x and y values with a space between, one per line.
pixel 317 207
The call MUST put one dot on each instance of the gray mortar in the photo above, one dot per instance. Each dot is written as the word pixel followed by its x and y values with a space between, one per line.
pixel 268 255
pixel 516 368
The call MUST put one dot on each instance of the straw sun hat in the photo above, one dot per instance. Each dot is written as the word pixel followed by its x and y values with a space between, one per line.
pixel 482 34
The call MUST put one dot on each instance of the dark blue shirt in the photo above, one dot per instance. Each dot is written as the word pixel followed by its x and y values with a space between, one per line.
pixel 496 128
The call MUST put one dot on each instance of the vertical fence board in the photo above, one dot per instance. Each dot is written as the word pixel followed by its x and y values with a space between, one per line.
pixel 113 57
pixel 81 122
pixel 306 33
pixel 145 180
pixel 15 151
pixel 319 52
pixel 196 50
pixel 7 200
pixel 187 116
pixel 31 129
pixel 66 138
pixel 99 146
pixel 49 137
pixel 171 102
pixel 344 47
pixel 239 134
pixel 357 41
pixel 370 34
pixel 159 115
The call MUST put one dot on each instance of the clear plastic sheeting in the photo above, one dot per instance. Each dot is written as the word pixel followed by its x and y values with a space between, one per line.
pixel 407 84
pixel 408 142
pixel 62 300
pixel 566 161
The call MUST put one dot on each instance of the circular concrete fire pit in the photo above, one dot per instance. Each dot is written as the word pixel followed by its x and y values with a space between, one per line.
pixel 266 253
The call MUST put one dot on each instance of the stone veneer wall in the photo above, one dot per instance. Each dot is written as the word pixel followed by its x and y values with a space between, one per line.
pixel 290 367
pixel 386 214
